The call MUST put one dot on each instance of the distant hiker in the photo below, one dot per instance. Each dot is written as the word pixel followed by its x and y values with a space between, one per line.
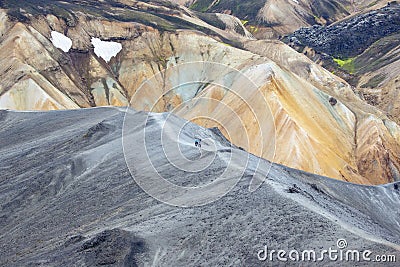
pixel 197 142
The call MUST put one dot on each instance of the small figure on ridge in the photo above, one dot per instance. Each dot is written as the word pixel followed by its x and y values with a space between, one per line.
pixel 197 142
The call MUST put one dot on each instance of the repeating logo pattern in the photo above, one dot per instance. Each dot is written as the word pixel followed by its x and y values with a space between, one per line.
pixel 175 160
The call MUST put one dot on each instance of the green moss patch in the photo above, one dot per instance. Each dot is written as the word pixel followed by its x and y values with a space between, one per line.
pixel 346 64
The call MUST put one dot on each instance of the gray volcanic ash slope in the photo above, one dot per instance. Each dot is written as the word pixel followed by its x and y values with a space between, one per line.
pixel 68 199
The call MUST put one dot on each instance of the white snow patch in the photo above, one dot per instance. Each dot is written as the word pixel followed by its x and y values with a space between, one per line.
pixel 61 41
pixel 296 1
pixel 106 50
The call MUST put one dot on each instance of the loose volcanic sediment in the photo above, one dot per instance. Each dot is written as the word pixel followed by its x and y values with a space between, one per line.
pixel 67 198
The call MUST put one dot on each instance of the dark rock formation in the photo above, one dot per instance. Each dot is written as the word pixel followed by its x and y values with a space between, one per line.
pixel 350 37
pixel 332 101
pixel 113 247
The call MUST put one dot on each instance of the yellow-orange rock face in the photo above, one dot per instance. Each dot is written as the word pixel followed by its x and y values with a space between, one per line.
pixel 282 106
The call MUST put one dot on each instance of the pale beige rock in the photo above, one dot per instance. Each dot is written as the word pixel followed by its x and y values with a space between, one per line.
pixel 31 96
pixel 23 56
pixel 5 24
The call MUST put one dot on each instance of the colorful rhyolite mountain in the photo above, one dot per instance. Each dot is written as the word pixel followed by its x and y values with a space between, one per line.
pixel 313 121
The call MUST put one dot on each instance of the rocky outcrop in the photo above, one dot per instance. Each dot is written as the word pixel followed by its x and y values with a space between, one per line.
pixel 350 37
